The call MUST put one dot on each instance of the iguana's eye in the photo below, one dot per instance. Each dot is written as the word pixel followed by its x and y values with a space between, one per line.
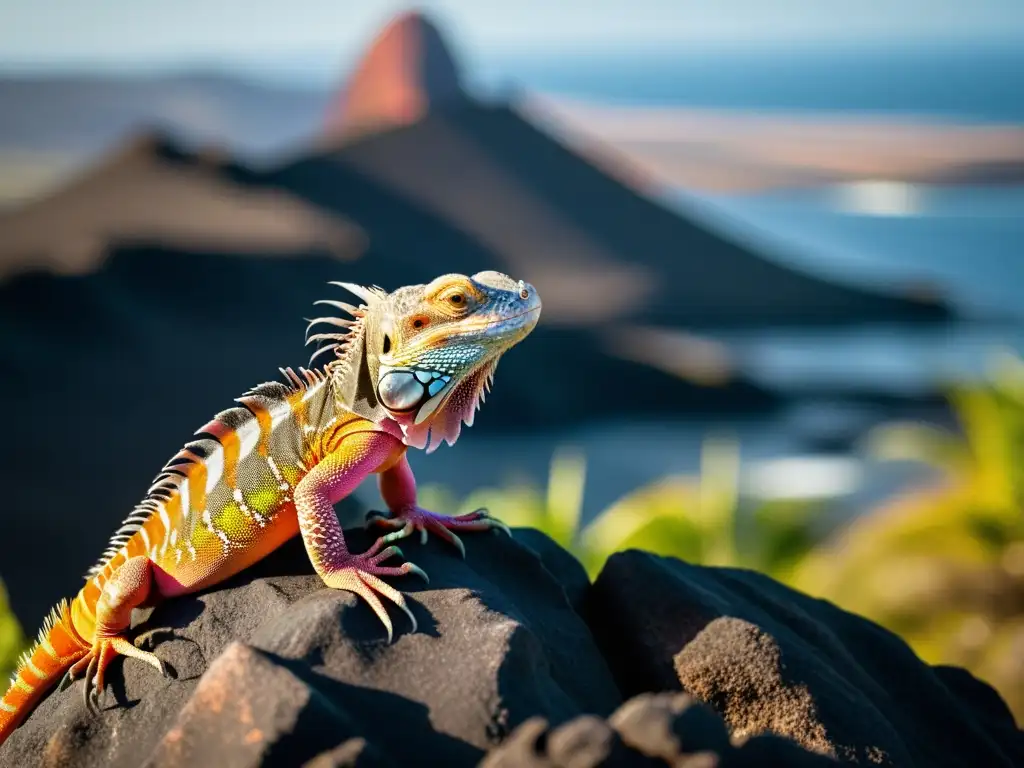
pixel 457 299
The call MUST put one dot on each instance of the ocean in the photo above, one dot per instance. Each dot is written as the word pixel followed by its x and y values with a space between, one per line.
pixel 976 83
pixel 964 243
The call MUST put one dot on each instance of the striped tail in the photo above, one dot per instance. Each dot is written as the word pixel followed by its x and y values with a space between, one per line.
pixel 41 667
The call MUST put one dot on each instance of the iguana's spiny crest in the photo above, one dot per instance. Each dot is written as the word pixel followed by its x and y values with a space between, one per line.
pixel 425 355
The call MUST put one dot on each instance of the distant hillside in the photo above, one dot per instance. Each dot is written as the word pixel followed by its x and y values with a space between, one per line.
pixel 152 191
pixel 599 250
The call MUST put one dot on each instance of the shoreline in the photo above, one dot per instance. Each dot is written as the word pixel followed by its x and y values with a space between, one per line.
pixel 740 151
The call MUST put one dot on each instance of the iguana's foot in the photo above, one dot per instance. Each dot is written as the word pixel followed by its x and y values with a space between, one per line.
pixel 405 520
pixel 360 574
pixel 94 666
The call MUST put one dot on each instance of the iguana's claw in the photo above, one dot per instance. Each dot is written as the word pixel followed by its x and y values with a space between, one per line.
pixel 95 663
pixel 359 574
pixel 412 518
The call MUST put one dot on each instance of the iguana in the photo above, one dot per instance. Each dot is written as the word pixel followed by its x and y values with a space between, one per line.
pixel 406 369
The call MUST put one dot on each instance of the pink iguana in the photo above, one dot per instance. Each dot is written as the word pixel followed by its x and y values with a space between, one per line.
pixel 408 369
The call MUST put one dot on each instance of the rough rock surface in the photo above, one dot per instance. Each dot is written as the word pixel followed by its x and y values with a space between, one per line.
pixel 768 658
pixel 273 669
pixel 652 729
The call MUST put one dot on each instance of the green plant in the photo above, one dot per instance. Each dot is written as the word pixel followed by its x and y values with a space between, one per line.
pixel 943 565
pixel 12 640
pixel 701 519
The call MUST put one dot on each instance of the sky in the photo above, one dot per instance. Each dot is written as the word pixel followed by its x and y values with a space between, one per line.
pixel 47 33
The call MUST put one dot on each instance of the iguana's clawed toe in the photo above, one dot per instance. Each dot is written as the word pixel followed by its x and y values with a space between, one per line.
pixel 481 520
pixel 98 659
pixel 90 695
pixel 410 519
pixel 362 577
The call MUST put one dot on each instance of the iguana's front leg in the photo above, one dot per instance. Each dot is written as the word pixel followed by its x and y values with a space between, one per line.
pixel 398 489
pixel 332 479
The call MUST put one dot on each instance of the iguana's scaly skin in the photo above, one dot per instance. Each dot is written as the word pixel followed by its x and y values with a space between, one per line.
pixel 408 369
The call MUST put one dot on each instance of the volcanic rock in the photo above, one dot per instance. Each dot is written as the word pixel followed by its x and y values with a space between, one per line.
pixel 770 659
pixel 722 668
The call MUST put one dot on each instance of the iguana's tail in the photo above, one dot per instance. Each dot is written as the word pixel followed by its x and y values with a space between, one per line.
pixel 56 649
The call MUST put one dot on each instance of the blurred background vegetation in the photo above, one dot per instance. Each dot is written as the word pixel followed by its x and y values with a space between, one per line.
pixel 942 565
pixel 12 641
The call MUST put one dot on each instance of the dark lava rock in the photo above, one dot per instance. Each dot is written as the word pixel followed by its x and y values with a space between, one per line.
pixel 647 731
pixel 770 659
pixel 275 669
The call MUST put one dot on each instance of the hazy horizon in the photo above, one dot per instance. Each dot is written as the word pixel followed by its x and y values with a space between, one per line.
pixel 306 38
pixel 324 70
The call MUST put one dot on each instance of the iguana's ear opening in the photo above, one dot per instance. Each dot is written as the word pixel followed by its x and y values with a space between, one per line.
pixel 387 331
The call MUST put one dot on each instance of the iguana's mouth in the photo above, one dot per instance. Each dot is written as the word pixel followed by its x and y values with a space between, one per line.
pixel 503 320
pixel 521 314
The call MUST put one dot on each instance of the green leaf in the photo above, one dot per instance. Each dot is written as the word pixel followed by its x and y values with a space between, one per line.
pixel 12 639
pixel 909 441
pixel 565 494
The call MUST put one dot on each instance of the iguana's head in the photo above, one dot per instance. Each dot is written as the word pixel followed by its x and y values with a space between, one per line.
pixel 425 355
